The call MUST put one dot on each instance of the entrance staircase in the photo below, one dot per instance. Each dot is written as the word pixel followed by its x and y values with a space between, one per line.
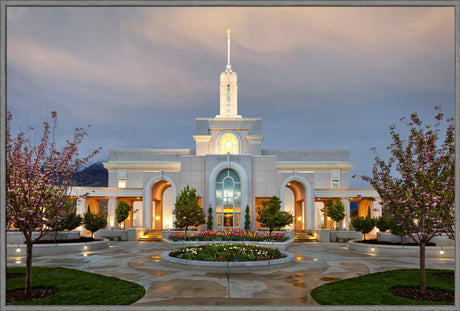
pixel 154 236
pixel 304 237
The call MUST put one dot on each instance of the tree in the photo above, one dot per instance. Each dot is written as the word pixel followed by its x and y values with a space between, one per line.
pixel 417 182
pixel 209 222
pixel 70 222
pixel 270 215
pixel 335 210
pixel 363 224
pixel 94 222
pixel 187 211
pixel 39 181
pixel 383 223
pixel 122 211
pixel 247 219
pixel 396 229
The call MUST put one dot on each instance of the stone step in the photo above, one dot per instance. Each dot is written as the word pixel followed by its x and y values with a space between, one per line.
pixel 151 237
pixel 304 237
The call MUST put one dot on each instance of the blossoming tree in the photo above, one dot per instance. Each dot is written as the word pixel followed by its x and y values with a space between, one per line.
pixel 38 182
pixel 417 183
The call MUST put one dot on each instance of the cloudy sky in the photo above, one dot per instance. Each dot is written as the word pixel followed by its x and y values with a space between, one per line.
pixel 319 77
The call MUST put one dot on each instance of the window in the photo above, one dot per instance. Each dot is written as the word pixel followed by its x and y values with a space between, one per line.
pixel 335 178
pixel 228 99
pixel 228 143
pixel 335 183
pixel 121 183
pixel 228 200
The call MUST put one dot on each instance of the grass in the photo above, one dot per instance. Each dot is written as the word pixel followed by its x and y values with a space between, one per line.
pixel 76 287
pixel 374 289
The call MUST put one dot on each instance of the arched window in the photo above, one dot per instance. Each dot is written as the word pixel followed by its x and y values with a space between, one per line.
pixel 228 200
pixel 229 143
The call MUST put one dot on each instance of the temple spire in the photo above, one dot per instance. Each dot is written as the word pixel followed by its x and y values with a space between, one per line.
pixel 228 88
pixel 229 67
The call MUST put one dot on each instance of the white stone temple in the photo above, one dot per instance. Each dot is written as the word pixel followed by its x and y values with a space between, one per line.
pixel 230 170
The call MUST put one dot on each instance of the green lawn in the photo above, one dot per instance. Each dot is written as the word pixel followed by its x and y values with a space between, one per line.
pixel 76 287
pixel 374 289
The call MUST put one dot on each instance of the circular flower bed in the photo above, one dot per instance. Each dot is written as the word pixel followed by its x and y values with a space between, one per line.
pixel 229 235
pixel 227 253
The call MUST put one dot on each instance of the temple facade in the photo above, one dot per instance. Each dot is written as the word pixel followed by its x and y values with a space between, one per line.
pixel 230 171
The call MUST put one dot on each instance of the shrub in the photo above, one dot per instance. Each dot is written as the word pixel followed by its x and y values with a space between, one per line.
pixel 209 222
pixel 187 211
pixel 122 211
pixel 94 222
pixel 363 224
pixel 270 215
pixel 396 229
pixel 247 219
pixel 336 211
pixel 383 223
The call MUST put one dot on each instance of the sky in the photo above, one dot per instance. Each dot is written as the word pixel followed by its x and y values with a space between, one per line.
pixel 319 77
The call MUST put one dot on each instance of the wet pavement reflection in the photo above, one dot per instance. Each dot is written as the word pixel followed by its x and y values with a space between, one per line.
pixel 315 264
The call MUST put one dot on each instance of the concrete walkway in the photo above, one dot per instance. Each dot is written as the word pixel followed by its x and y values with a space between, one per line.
pixel 315 264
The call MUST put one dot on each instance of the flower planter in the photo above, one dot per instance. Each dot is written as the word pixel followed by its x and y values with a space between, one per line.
pixel 234 267
pixel 401 251
pixel 16 237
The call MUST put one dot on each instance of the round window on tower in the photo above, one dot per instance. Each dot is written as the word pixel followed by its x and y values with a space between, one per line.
pixel 228 143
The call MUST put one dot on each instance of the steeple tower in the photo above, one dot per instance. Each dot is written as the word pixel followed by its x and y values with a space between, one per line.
pixel 228 88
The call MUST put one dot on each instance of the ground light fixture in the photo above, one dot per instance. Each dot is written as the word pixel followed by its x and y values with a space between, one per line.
pixel 18 250
pixel 441 251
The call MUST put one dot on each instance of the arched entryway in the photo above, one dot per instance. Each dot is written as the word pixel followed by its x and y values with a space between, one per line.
pixel 160 197
pixel 297 199
pixel 302 202
pixel 229 204
pixel 161 204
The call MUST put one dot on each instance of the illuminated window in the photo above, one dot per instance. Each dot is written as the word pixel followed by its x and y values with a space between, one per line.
pixel 121 183
pixel 228 200
pixel 228 143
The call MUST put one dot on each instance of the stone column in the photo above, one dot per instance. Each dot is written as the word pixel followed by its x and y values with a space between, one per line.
pixel 346 221
pixel 310 225
pixel 376 208
pixel 81 206
pixel 112 205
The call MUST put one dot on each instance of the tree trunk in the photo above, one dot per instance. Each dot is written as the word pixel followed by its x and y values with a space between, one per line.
pixel 422 269
pixel 28 290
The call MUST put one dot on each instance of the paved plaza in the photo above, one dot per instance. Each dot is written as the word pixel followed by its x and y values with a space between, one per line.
pixel 290 284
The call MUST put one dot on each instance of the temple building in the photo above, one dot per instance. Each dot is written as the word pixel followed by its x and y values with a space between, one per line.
pixel 230 170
